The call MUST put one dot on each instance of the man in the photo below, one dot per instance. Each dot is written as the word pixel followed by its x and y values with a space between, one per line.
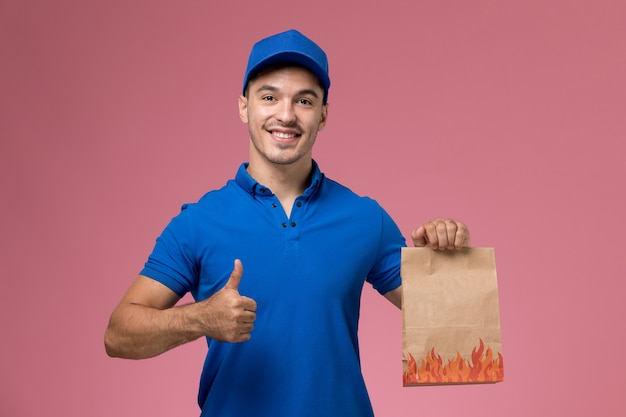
pixel 282 333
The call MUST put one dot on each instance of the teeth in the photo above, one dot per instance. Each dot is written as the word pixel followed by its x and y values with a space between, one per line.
pixel 284 135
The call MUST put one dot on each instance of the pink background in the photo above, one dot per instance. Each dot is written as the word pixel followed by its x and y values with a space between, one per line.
pixel 508 115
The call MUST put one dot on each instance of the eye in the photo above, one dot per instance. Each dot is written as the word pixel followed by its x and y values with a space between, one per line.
pixel 305 101
pixel 268 98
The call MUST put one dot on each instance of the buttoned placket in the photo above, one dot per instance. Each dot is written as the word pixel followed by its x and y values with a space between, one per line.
pixel 288 226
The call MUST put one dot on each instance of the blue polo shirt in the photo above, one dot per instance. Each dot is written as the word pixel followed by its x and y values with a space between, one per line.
pixel 305 272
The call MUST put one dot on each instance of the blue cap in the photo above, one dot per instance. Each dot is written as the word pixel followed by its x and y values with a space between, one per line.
pixel 289 47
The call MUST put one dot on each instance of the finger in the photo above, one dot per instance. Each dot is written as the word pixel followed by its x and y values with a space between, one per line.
pixel 246 329
pixel 235 276
pixel 442 235
pixel 462 238
pixel 451 229
pixel 419 237
pixel 245 326
pixel 243 337
pixel 248 304
pixel 246 320
pixel 430 234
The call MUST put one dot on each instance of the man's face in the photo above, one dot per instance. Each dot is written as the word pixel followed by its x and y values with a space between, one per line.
pixel 284 111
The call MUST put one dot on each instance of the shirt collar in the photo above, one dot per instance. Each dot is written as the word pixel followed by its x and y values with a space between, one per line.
pixel 251 186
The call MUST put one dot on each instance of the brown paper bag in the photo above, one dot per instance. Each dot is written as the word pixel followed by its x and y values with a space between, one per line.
pixel 450 317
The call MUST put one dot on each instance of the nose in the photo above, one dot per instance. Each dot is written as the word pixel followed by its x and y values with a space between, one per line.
pixel 285 113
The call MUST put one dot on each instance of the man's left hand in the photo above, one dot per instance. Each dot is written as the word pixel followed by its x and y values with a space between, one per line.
pixel 442 234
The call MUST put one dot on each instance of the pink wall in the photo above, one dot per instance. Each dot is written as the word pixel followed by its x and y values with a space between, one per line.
pixel 509 115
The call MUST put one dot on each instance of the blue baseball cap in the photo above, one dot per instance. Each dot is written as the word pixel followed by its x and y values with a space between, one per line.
pixel 290 47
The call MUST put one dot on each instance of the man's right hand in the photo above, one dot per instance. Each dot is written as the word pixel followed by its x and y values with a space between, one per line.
pixel 147 321
pixel 229 315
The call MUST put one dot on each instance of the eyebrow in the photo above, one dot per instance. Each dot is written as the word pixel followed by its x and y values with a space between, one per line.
pixel 306 91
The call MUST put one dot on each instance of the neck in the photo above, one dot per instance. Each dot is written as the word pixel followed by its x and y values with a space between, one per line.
pixel 287 181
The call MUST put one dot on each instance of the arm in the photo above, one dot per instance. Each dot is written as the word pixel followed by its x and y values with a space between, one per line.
pixel 437 234
pixel 147 323
pixel 395 296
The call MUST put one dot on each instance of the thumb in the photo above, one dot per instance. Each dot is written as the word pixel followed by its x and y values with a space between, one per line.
pixel 235 276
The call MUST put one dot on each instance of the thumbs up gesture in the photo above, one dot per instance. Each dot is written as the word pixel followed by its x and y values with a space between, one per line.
pixel 229 316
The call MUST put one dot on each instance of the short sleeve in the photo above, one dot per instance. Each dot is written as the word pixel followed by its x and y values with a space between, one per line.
pixel 173 261
pixel 385 274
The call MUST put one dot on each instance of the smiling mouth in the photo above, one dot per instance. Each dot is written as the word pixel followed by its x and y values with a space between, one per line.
pixel 281 135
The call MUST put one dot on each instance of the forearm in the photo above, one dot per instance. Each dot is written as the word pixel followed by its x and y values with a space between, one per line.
pixel 395 297
pixel 137 332
pixel 147 321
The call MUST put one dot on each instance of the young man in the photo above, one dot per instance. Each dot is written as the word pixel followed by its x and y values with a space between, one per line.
pixel 281 333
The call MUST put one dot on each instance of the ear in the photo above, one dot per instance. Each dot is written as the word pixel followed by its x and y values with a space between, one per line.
pixel 324 117
pixel 243 109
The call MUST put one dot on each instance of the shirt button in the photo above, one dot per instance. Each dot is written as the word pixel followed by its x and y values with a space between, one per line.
pixel 298 204
pixel 293 224
pixel 284 224
pixel 274 205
